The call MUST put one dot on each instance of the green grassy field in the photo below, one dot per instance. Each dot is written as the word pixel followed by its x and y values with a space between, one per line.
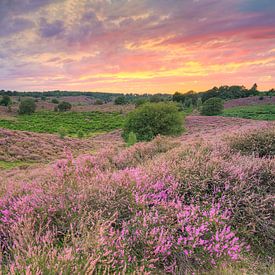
pixel 73 122
pixel 258 112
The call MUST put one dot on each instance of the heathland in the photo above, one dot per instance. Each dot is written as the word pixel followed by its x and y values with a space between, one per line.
pixel 75 199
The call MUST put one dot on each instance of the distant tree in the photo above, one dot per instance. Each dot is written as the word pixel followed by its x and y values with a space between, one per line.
pixel 120 100
pixel 27 106
pixel 140 101
pixel 152 119
pixel 6 100
pixel 212 106
pixel 155 99
pixel 64 106
pixel 55 101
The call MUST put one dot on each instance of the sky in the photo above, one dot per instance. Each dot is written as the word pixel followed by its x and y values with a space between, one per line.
pixel 136 46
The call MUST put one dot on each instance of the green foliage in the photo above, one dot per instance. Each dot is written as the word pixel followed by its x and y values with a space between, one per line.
pixel 212 107
pixel 62 132
pixel 27 106
pixel 187 100
pixel 258 112
pixel 132 139
pixel 80 134
pixel 5 101
pixel 140 101
pixel 55 101
pixel 87 122
pixel 260 143
pixel 229 92
pixel 6 165
pixel 64 106
pixel 120 100
pixel 152 119
pixel 98 102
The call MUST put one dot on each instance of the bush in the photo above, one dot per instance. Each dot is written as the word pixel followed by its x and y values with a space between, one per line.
pixel 64 106
pixel 5 101
pixel 132 139
pixel 55 101
pixel 152 119
pixel 62 132
pixel 120 100
pixel 98 102
pixel 27 106
pixel 212 107
pixel 140 102
pixel 260 143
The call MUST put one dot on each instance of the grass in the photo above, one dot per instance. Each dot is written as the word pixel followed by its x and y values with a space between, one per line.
pixel 73 122
pixel 258 112
pixel 6 165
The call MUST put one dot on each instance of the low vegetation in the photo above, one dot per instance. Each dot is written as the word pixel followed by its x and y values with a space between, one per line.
pixel 259 112
pixel 152 119
pixel 260 143
pixel 71 122
pixel 156 207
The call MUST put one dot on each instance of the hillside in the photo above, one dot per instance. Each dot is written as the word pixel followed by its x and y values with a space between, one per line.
pixel 173 205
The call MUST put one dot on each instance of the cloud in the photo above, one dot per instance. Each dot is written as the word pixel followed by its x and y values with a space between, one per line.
pixel 51 29
pixel 122 45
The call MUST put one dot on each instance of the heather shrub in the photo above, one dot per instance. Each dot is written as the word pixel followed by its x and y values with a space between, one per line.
pixel 242 184
pixel 152 119
pixel 260 142
pixel 156 207
pixel 212 106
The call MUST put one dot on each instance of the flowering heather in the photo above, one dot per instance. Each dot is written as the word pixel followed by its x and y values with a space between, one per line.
pixel 168 206
pixel 254 100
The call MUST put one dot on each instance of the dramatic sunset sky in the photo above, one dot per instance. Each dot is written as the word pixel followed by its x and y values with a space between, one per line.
pixel 136 45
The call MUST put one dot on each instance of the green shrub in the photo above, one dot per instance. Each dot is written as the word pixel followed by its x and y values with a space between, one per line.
pixel 98 102
pixel 55 101
pixel 260 143
pixel 5 101
pixel 120 100
pixel 213 106
pixel 152 119
pixel 132 139
pixel 27 106
pixel 62 132
pixel 140 101
pixel 80 134
pixel 64 106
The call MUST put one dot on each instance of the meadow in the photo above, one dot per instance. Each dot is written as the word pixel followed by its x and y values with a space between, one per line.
pixel 72 122
pixel 258 112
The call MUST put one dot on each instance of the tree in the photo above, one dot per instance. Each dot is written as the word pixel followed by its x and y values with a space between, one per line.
pixel 120 100
pixel 212 106
pixel 27 106
pixel 6 100
pixel 151 119
pixel 64 106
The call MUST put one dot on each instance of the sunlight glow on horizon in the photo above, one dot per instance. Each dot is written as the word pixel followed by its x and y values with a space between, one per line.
pixel 136 46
